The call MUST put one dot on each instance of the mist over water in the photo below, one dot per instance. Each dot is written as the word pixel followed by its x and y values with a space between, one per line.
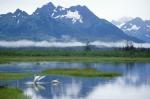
pixel 29 43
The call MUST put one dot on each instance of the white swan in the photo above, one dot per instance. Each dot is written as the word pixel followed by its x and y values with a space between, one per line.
pixel 38 78
pixel 55 82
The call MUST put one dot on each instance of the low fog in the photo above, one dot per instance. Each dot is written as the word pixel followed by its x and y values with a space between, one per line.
pixel 100 44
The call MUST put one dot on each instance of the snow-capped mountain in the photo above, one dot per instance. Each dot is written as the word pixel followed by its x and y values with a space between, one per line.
pixel 137 28
pixel 58 23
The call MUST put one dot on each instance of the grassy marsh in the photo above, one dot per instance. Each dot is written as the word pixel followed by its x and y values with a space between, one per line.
pixel 11 93
pixel 73 56
pixel 71 59
pixel 71 53
pixel 13 76
pixel 80 73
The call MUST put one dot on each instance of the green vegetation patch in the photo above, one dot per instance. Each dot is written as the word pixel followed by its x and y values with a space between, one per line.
pixel 13 76
pixel 100 53
pixel 11 93
pixel 72 59
pixel 74 56
pixel 80 73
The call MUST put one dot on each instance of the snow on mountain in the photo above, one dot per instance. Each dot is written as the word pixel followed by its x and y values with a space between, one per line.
pixel 18 22
pixel 137 28
pixel 75 16
pixel 65 13
pixel 132 28
pixel 120 25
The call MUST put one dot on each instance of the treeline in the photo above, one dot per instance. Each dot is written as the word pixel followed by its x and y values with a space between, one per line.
pixel 129 46
pixel 84 53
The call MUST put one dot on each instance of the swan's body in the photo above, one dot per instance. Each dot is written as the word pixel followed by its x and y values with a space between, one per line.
pixel 37 79
pixel 55 82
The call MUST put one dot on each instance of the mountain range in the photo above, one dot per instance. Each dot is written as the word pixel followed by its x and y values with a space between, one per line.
pixel 135 27
pixel 58 23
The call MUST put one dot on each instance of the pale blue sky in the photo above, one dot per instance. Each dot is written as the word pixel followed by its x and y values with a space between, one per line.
pixel 108 9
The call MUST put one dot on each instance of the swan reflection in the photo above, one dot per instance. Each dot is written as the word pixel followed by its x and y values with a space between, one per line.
pixel 32 93
pixel 33 90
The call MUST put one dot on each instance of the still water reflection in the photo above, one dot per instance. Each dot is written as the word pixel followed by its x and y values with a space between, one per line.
pixel 134 84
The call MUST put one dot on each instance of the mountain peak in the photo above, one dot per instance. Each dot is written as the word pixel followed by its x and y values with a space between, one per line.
pixel 19 12
pixel 45 9
pixel 60 8
pixel 137 19
pixel 79 7
pixel 50 4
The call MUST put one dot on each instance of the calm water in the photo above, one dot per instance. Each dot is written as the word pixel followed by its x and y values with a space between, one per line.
pixel 134 84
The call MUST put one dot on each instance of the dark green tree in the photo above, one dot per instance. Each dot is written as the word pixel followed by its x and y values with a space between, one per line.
pixel 87 46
